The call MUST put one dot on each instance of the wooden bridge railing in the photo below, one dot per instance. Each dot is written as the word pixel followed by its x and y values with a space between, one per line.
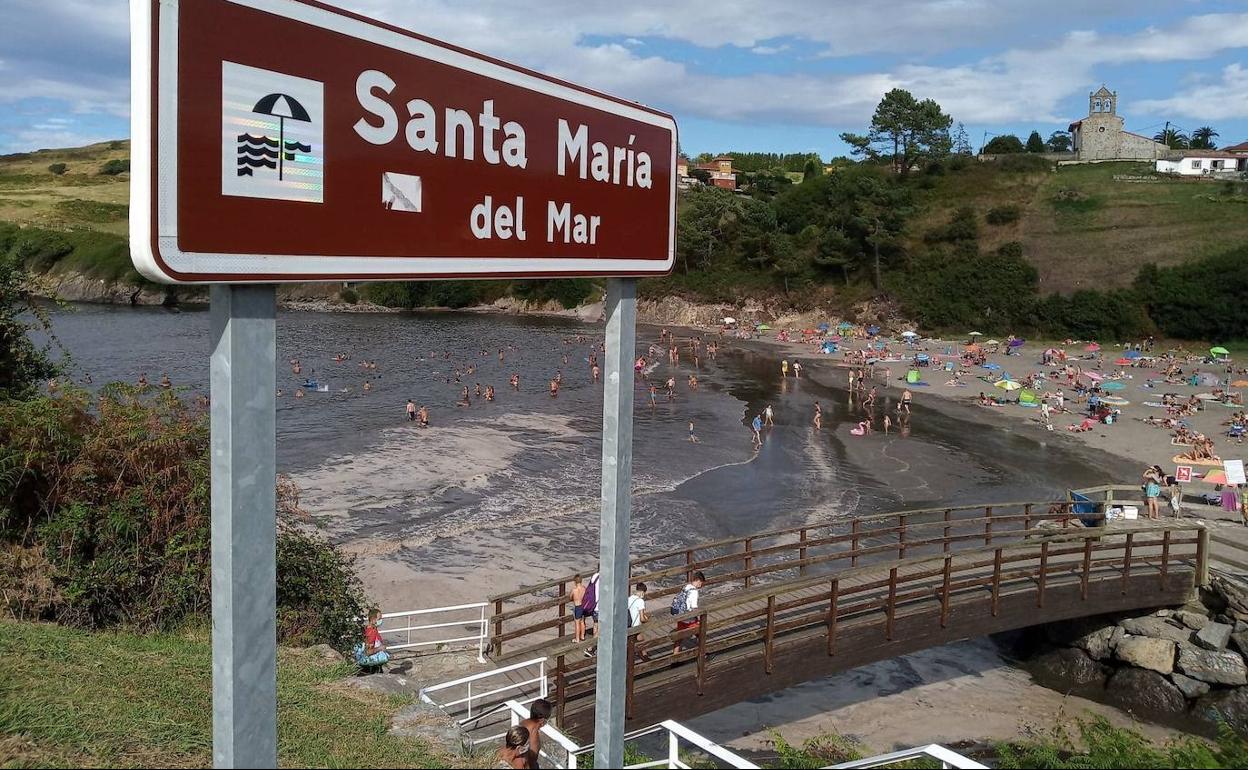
pixel 527 620
pixel 755 622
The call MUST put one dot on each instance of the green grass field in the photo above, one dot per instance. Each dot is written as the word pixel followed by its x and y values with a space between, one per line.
pixel 77 699
pixel 1093 226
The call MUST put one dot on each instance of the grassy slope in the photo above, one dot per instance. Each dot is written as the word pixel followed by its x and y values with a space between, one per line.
pixel 1122 224
pixel 77 699
pixel 1102 240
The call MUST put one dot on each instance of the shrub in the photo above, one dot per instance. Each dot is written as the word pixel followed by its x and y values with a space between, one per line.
pixel 58 168
pixel 349 296
pixel 115 167
pixel 1023 163
pixel 1003 215
pixel 114 489
pixel 1070 200
pixel 963 226
pixel 40 249
pixel 116 144
pixel 1199 300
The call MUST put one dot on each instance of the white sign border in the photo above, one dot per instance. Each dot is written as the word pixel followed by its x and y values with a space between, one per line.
pixel 270 268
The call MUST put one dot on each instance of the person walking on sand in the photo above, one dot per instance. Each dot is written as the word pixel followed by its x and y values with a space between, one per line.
pixel 769 417
pixel 888 423
pixel 422 414
pixel 411 411
pixel 906 397
pixel 692 438
pixel 797 370
pixel 757 426
pixel 654 392
pixel 818 416
pixel 784 368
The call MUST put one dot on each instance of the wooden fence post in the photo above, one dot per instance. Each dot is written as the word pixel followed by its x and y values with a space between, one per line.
pixel 1202 557
pixel 498 627
pixel 1087 568
pixel 836 587
pixel 891 610
pixel 560 688
pixel 901 536
pixel 801 553
pixel 996 582
pixel 563 607
pixel 1165 560
pixel 948 515
pixel 1126 562
pixel 1044 572
pixel 701 651
pixel 1027 517
pixel 853 559
pixel 770 635
pixel 749 559
pixel 988 525
pixel 944 594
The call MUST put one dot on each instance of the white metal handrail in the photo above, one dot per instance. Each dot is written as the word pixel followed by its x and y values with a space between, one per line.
pixel 471 699
pixel 568 748
pixel 946 758
pixel 474 615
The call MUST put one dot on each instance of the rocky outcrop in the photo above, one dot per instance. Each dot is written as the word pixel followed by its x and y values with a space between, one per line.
pixel 1135 689
pixel 1146 652
pixel 1181 663
pixel 1212 667
pixel 426 722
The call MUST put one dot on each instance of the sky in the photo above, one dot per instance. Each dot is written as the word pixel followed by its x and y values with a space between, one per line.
pixel 772 76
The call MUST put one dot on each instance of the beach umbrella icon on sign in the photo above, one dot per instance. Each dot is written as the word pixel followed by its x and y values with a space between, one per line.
pixel 283 108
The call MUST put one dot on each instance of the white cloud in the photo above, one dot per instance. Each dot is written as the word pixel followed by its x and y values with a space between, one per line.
pixel 769 50
pixel 1225 98
pixel 633 42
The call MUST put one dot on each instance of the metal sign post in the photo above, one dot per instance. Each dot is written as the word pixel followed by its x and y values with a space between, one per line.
pixel 244 527
pixel 617 501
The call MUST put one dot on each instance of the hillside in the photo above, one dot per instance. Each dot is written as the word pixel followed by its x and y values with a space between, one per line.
pixel 1080 226
pixel 1093 226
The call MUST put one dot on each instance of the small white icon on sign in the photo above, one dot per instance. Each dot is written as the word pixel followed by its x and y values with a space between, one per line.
pixel 400 192
pixel 272 138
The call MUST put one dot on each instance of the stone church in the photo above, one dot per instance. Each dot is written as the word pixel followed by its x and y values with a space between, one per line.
pixel 1100 136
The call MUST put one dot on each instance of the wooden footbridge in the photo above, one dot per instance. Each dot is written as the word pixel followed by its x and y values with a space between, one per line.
pixel 791 605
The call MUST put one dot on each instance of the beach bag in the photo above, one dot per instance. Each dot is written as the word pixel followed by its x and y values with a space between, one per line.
pixel 589 602
pixel 680 602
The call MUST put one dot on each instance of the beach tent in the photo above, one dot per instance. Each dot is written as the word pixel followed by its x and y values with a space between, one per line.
pixel 1132 355
pixel 1219 351
pixel 1027 397
pixel 912 376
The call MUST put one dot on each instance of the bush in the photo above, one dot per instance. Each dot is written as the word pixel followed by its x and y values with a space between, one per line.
pixel 1106 746
pixel 966 289
pixel 963 226
pixel 116 144
pixel 1003 215
pixel 115 167
pixel 58 168
pixel 114 490
pixel 1023 163
pixel 40 249
pixel 1199 300
pixel 349 296
pixel 1070 200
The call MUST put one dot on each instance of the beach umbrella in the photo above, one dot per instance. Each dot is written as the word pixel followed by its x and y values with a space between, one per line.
pixel 1094 376
pixel 1217 476
pixel 909 334
pixel 729 320
pixel 1131 355
pixel 836 338
pixel 1219 351
pixel 975 334
pixel 993 342
pixel 873 330
pixel 284 108
pixel 1123 361
pixel 991 367
pixel 1016 343
pixel 1092 348
pixel 823 327
pixel 764 328
pixel 1112 386
pixel 1007 384
pixel 846 325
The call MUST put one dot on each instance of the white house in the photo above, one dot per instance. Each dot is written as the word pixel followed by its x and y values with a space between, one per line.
pixel 1198 163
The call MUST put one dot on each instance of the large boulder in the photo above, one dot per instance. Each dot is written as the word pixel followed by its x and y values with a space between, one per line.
pixel 1146 692
pixel 1235 596
pixel 1146 652
pixel 1069 632
pixel 1067 667
pixel 1100 643
pixel 1193 620
pixel 1158 628
pixel 1211 666
pixel 1191 688
pixel 1214 636
pixel 1239 640
pixel 1229 706
pixel 428 723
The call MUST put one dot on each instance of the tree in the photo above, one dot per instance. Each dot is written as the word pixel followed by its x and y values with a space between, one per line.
pixel 1172 138
pixel 23 364
pixel 812 169
pixel 1202 138
pixel 1035 143
pixel 1059 141
pixel 904 131
pixel 961 142
pixel 1003 145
